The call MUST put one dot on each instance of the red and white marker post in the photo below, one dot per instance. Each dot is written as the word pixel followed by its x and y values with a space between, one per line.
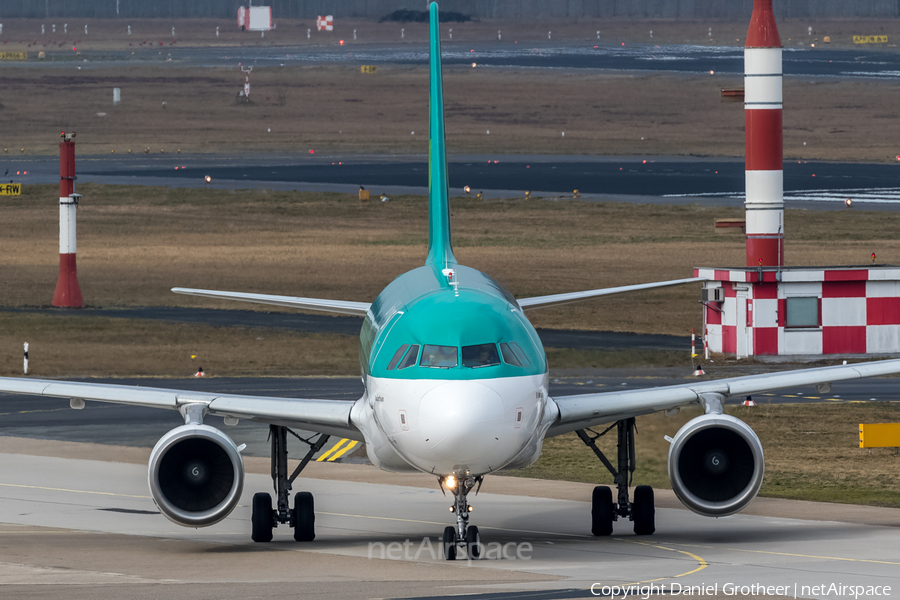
pixel 67 294
pixel 764 148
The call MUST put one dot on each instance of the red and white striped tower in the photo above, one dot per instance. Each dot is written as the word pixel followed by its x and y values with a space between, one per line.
pixel 762 120
pixel 67 293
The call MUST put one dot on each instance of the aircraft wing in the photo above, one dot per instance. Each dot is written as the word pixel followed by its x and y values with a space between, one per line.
pixel 557 299
pixel 589 410
pixel 325 416
pixel 340 307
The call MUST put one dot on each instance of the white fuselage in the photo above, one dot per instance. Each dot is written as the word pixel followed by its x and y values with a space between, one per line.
pixel 471 426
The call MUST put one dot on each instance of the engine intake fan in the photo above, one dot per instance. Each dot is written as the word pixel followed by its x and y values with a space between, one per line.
pixel 196 475
pixel 716 465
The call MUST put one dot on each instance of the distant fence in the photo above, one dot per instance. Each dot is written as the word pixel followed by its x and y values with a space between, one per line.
pixel 481 9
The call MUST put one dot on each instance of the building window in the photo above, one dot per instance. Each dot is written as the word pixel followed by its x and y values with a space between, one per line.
pixel 802 312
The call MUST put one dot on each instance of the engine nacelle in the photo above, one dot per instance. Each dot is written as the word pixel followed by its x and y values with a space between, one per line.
pixel 716 465
pixel 196 475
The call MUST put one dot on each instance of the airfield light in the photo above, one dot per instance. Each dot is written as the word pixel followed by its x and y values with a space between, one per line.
pixel 712 72
pixel 848 202
pixel 450 482
pixel 474 65
pixel 898 157
pixel 342 42
pixel 873 258
pixel 311 151
pixel 207 179
pixel 467 189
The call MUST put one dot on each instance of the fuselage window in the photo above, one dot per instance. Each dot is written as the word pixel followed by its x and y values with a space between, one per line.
pixel 441 357
pixel 397 356
pixel 509 357
pixel 411 357
pixel 520 353
pixel 482 355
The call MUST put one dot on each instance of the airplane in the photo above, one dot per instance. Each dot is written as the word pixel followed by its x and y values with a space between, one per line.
pixel 456 386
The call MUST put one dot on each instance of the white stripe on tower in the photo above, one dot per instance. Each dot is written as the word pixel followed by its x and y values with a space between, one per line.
pixel 66 226
pixel 762 119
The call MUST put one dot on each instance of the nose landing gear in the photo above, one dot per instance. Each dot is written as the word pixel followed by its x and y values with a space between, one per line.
pixel 462 533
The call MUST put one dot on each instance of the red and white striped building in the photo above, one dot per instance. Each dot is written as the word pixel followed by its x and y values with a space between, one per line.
pixel 802 310
pixel 766 308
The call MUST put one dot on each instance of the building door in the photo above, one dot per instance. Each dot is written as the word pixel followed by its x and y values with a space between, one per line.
pixel 742 347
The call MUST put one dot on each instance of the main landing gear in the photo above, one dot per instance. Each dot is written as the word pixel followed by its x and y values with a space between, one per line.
pixel 302 518
pixel 604 511
pixel 462 533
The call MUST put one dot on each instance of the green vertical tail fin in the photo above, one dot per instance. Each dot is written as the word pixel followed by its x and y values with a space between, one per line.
pixel 440 250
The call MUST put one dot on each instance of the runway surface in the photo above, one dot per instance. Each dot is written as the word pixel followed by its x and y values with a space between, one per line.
pixel 89 528
pixel 112 424
pixel 673 58
pixel 651 179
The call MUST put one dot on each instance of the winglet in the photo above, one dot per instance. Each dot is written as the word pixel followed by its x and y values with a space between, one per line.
pixel 440 251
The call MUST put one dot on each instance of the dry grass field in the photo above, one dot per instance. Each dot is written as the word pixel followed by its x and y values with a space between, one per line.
pixel 64 345
pixel 135 243
pixel 67 346
pixel 337 109
pixel 812 452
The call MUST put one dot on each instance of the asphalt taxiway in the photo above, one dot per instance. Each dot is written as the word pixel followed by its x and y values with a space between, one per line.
pixel 640 179
pixel 855 63
pixel 84 526
pixel 347 325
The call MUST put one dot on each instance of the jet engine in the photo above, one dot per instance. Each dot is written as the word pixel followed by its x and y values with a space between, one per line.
pixel 196 475
pixel 716 465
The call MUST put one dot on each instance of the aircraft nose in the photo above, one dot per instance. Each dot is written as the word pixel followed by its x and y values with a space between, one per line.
pixel 462 420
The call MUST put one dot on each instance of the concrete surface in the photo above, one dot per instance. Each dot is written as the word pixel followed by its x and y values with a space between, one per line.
pixel 88 527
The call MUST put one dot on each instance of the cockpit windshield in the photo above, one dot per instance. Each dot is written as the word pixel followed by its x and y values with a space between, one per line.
pixel 440 357
pixel 482 355
pixel 514 355
pixel 411 357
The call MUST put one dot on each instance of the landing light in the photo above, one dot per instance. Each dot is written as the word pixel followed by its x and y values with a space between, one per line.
pixel 450 482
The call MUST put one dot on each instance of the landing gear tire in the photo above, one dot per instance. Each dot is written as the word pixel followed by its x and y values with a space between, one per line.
pixel 261 520
pixel 602 511
pixel 304 517
pixel 473 543
pixel 643 513
pixel 450 540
